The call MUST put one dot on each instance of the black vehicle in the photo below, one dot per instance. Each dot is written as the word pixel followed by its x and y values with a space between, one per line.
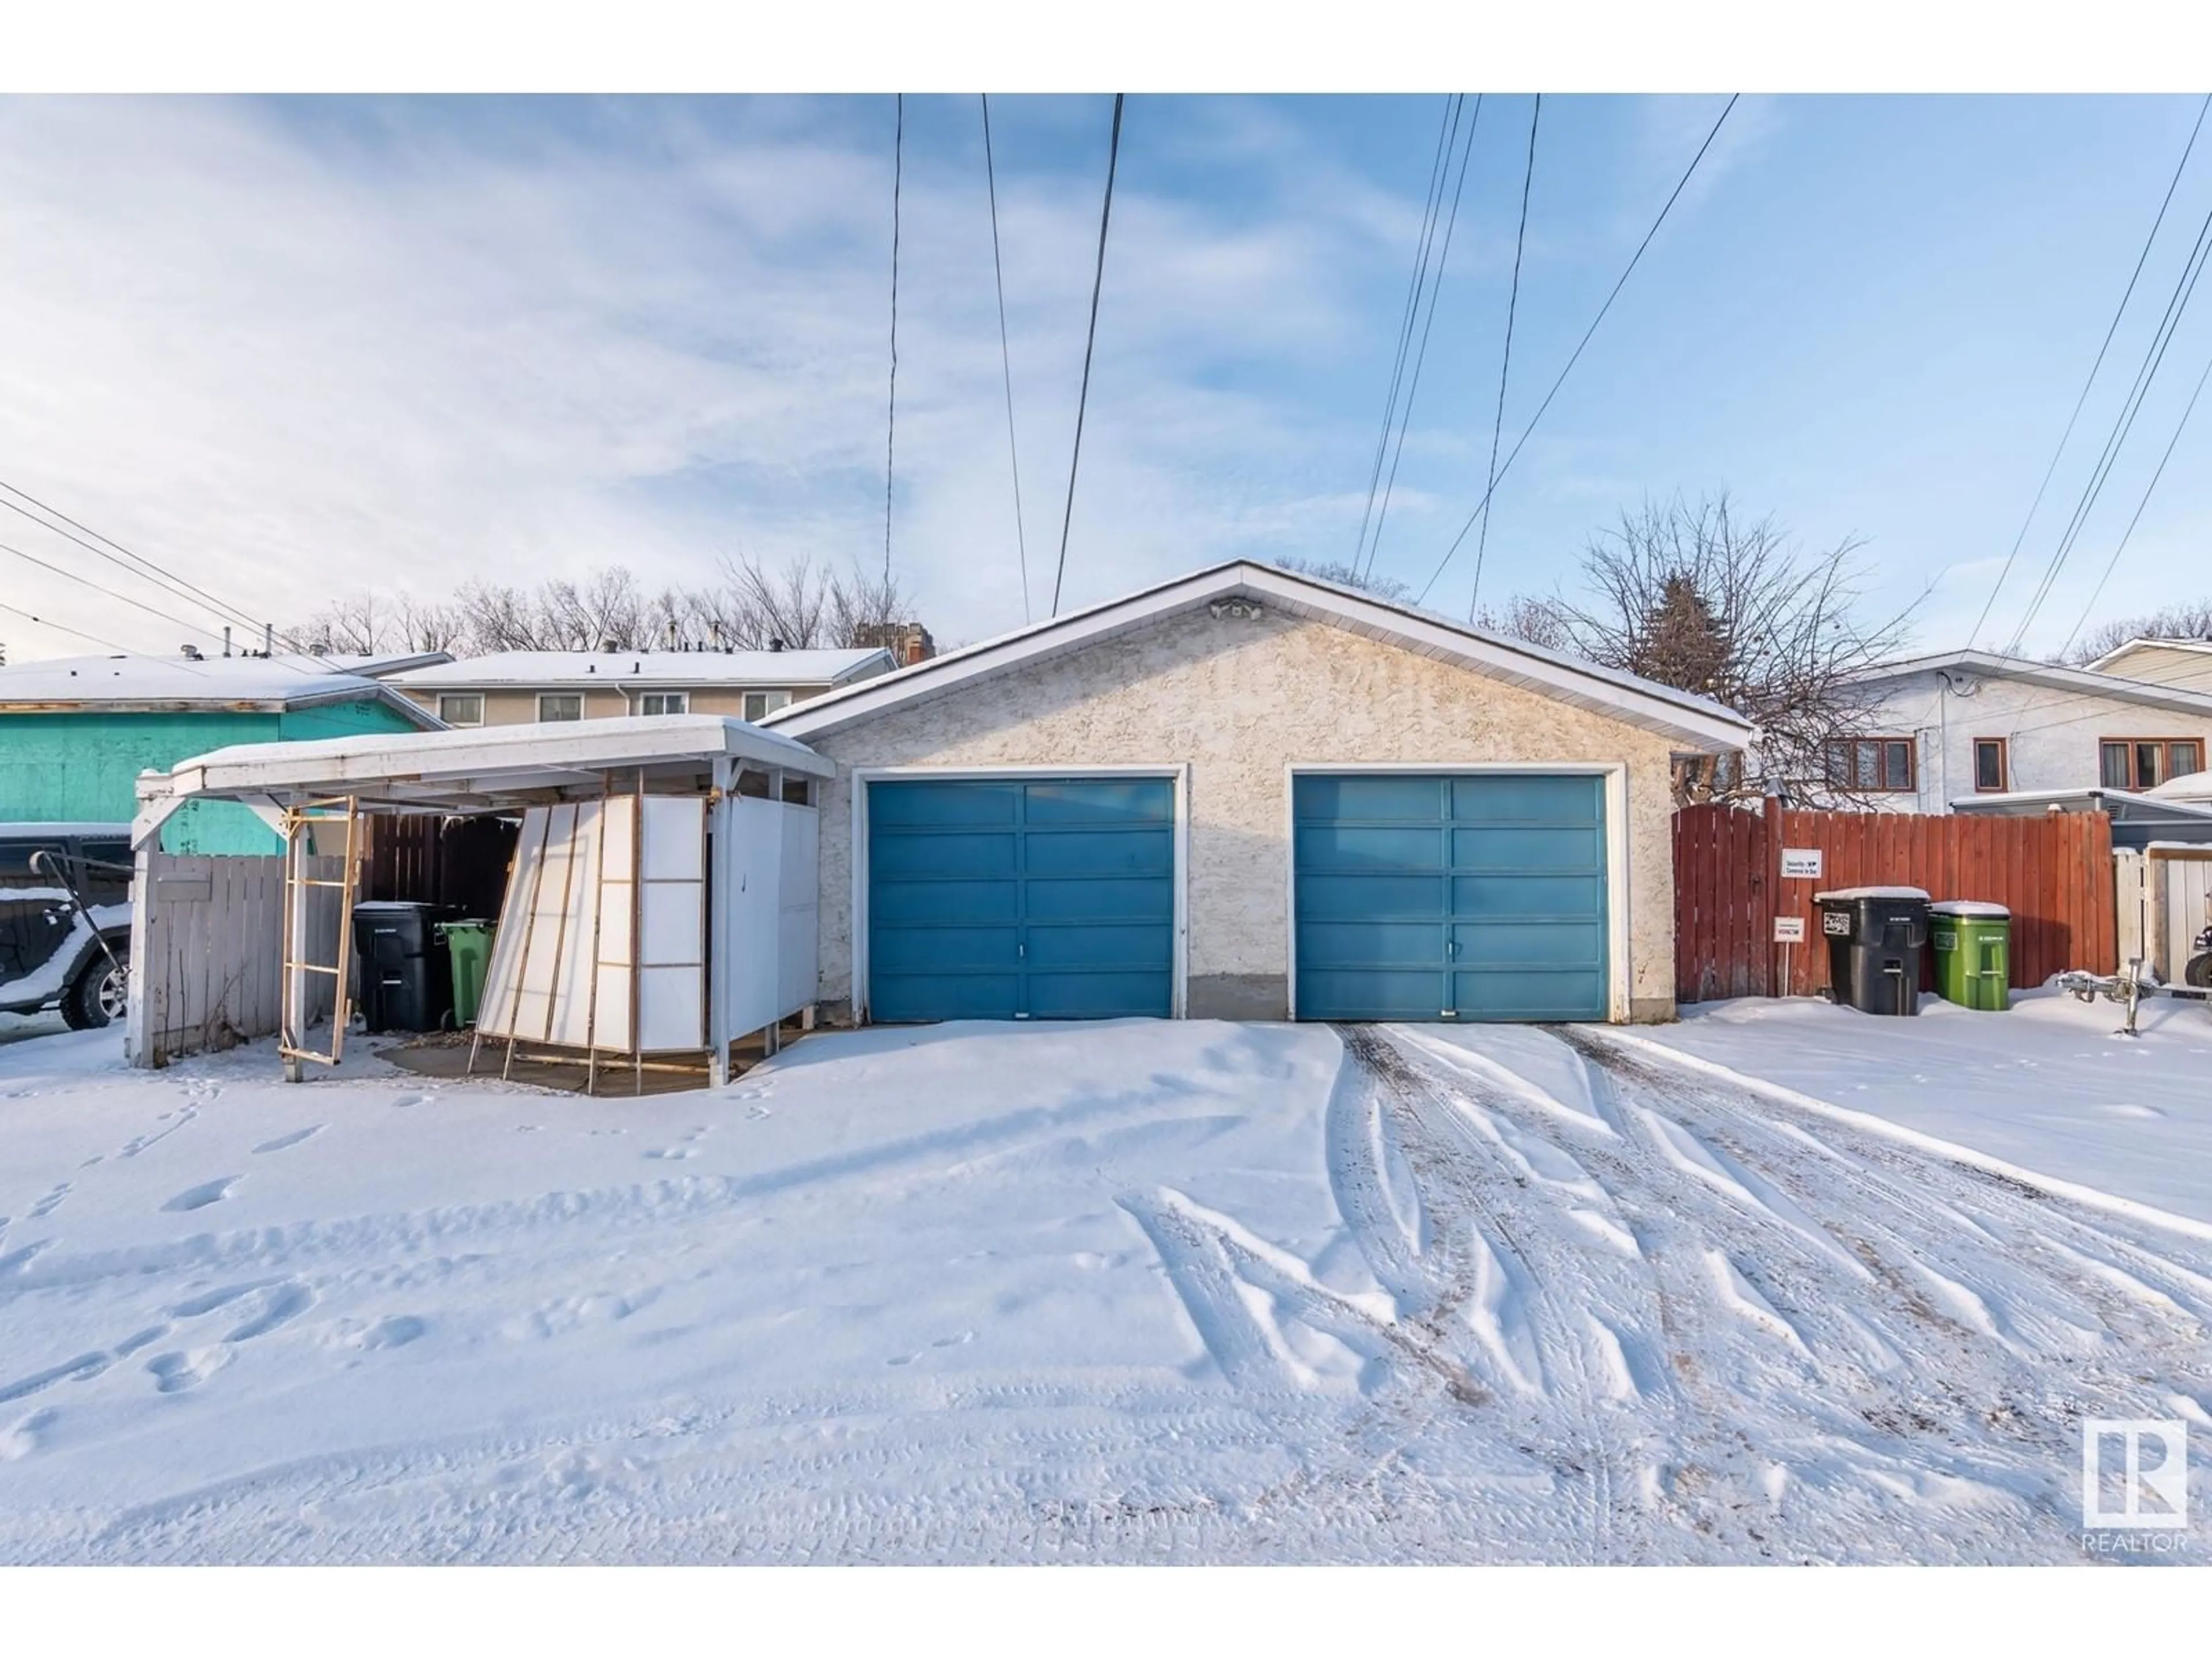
pixel 65 920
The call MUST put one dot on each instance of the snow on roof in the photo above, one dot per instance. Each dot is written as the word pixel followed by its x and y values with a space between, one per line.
pixel 2096 798
pixel 676 668
pixel 125 684
pixel 2189 786
pixel 1609 692
pixel 2052 676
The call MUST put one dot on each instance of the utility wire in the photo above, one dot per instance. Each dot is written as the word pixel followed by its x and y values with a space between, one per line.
pixel 2124 423
pixel 891 425
pixel 1436 289
pixel 86 581
pixel 140 566
pixel 2111 330
pixel 1005 361
pixel 1577 356
pixel 1090 340
pixel 1505 364
pixel 2112 563
pixel 1431 203
pixel 78 633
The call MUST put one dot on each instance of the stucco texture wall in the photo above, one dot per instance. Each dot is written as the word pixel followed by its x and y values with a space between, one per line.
pixel 1241 699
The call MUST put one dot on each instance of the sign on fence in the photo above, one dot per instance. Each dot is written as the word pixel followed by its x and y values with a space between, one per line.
pixel 1801 864
pixel 1789 930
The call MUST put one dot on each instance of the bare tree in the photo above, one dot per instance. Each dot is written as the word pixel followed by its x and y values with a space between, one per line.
pixel 2185 620
pixel 1697 598
pixel 1525 617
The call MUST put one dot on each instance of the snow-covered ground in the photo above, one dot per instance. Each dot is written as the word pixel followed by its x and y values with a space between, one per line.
pixel 1130 1291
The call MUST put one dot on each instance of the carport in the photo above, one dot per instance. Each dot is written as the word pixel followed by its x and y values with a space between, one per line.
pixel 661 903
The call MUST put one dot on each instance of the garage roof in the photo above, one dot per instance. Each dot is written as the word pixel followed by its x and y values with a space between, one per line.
pixel 1696 722
pixel 584 670
pixel 124 685
pixel 476 770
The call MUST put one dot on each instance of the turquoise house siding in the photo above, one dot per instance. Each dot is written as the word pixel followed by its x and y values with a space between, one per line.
pixel 85 765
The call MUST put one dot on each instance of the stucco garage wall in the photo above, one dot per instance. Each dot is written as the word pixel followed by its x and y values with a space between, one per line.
pixel 1240 699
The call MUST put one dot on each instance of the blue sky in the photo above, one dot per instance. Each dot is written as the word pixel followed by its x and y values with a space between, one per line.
pixel 291 348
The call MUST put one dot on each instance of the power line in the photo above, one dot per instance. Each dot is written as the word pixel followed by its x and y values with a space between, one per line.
pixel 1505 364
pixel 2112 563
pixel 78 633
pixel 2111 330
pixel 1006 360
pixel 86 581
pixel 1577 356
pixel 1436 289
pixel 2153 357
pixel 1090 340
pixel 1431 203
pixel 891 425
pixel 141 567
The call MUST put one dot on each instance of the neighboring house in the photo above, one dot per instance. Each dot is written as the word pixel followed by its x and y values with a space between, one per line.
pixel 1246 793
pixel 1948 727
pixel 2185 663
pixel 514 688
pixel 76 731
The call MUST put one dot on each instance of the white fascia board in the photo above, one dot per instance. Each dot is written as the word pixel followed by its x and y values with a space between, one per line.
pixel 2140 644
pixel 1619 696
pixel 2051 676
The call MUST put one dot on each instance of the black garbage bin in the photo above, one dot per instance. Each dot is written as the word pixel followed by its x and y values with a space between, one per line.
pixel 1876 937
pixel 406 974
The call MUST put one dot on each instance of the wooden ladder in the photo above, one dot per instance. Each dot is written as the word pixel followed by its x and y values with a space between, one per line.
pixel 300 889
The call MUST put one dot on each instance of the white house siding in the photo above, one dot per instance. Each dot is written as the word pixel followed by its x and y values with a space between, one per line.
pixel 1240 700
pixel 2050 735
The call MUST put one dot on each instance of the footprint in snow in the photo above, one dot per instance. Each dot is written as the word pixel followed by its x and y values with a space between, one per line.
pixel 174 1373
pixel 23 1439
pixel 199 1197
pixel 283 1142
pixel 412 1100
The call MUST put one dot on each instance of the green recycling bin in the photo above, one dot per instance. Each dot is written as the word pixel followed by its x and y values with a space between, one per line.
pixel 1973 953
pixel 470 942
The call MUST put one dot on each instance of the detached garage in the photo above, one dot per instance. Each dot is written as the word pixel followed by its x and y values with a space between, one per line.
pixel 1249 794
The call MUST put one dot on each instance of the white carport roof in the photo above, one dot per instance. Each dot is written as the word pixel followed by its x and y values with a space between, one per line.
pixel 483 769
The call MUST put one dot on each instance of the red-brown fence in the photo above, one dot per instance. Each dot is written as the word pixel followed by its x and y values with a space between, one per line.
pixel 2054 872
pixel 461 862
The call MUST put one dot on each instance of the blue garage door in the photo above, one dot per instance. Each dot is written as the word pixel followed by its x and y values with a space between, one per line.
pixel 1019 899
pixel 1425 898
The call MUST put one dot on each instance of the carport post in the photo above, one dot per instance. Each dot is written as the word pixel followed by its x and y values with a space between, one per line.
pixel 717 924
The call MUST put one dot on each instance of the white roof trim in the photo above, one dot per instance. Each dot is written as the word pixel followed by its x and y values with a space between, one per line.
pixel 2143 642
pixel 1678 714
pixel 646 670
pixel 427 767
pixel 2094 795
pixel 2053 676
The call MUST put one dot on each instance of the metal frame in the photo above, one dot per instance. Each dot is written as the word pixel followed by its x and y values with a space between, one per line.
pixel 1177 772
pixel 1619 978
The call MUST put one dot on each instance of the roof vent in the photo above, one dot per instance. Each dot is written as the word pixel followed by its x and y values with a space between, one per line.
pixel 776 645
pixel 192 653
pixel 610 644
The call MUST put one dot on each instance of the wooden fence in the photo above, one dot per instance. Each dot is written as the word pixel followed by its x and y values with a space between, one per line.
pixel 462 862
pixel 2054 872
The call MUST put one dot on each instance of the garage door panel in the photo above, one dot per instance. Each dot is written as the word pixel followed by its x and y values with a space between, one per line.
pixel 1108 899
pixel 924 903
pixel 1499 797
pixel 1404 800
pixel 934 804
pixel 1511 925
pixel 1529 993
pixel 1330 945
pixel 950 950
pixel 1368 847
pixel 1565 898
pixel 1144 851
pixel 1100 800
pixel 1527 848
pixel 1094 995
pixel 1126 946
pixel 940 854
pixel 1322 897
pixel 898 996
pixel 1542 945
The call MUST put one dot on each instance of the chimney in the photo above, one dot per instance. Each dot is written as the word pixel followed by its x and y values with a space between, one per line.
pixel 226 639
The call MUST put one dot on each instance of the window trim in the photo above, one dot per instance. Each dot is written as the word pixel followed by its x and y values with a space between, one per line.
pixel 772 699
pixel 544 697
pixel 2166 746
pixel 638 701
pixel 1850 785
pixel 2004 766
pixel 445 697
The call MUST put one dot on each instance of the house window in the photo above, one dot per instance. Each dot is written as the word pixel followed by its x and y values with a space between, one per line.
pixel 2146 762
pixel 761 704
pixel 1991 773
pixel 560 706
pixel 664 702
pixel 1871 764
pixel 461 708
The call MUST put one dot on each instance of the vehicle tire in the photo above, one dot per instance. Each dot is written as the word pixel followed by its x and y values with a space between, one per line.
pixel 2197 971
pixel 97 999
